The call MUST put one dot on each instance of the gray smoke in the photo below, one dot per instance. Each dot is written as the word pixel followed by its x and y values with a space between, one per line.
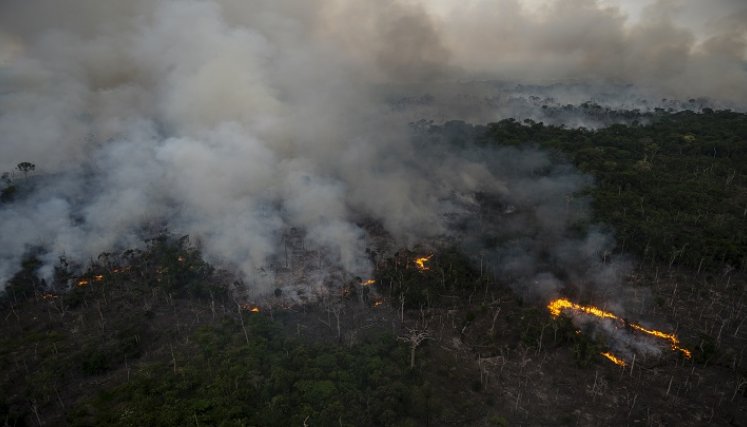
pixel 234 121
pixel 229 121
pixel 673 48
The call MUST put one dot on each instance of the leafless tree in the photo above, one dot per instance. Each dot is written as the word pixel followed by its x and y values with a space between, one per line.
pixel 414 337
pixel 336 311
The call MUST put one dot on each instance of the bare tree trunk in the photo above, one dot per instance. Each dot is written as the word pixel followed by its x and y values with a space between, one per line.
pixel 402 307
pixel 243 327
pixel 173 357
pixel 415 337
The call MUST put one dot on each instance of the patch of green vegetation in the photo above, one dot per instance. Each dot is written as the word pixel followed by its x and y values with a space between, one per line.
pixel 675 190
pixel 269 380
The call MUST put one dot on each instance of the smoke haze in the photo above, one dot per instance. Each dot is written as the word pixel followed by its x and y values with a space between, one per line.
pixel 233 121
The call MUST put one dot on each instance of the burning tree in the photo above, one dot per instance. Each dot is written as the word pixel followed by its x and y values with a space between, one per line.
pixel 420 262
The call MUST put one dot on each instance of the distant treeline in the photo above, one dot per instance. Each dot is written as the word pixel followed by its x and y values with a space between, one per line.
pixel 674 189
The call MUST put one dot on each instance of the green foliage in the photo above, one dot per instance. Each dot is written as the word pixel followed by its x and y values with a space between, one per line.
pixel 8 193
pixel 498 421
pixel 585 349
pixel 448 271
pixel 674 190
pixel 271 381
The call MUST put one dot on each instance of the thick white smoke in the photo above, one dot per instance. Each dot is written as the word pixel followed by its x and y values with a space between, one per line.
pixel 231 123
pixel 234 121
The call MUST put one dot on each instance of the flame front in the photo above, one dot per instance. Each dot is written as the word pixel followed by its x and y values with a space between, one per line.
pixel 614 359
pixel 420 262
pixel 83 283
pixel 557 306
pixel 368 282
pixel 662 335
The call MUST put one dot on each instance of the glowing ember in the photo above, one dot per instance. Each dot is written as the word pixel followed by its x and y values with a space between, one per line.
pixel 368 282
pixel 557 306
pixel 83 283
pixel 378 303
pixel 49 296
pixel 614 359
pixel 98 277
pixel 420 262
pixel 250 308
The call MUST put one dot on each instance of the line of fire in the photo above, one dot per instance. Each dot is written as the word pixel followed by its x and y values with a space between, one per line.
pixel 555 307
pixel 420 264
pixel 558 306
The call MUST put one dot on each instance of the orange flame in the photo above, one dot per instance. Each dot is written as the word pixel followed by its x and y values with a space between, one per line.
pixel 83 283
pixel 368 282
pixel 250 308
pixel 98 277
pixel 557 306
pixel 420 262
pixel 669 337
pixel 378 303
pixel 614 359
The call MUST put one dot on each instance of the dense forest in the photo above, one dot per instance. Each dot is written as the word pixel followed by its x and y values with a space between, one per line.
pixel 674 190
pixel 156 336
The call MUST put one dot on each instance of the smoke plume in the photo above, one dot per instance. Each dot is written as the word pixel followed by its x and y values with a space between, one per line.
pixel 235 121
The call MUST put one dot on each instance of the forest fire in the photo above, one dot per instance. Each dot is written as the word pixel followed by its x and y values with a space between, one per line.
pixel 85 281
pixel 675 342
pixel 368 282
pixel 614 359
pixel 420 262
pixel 251 308
pixel 557 306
